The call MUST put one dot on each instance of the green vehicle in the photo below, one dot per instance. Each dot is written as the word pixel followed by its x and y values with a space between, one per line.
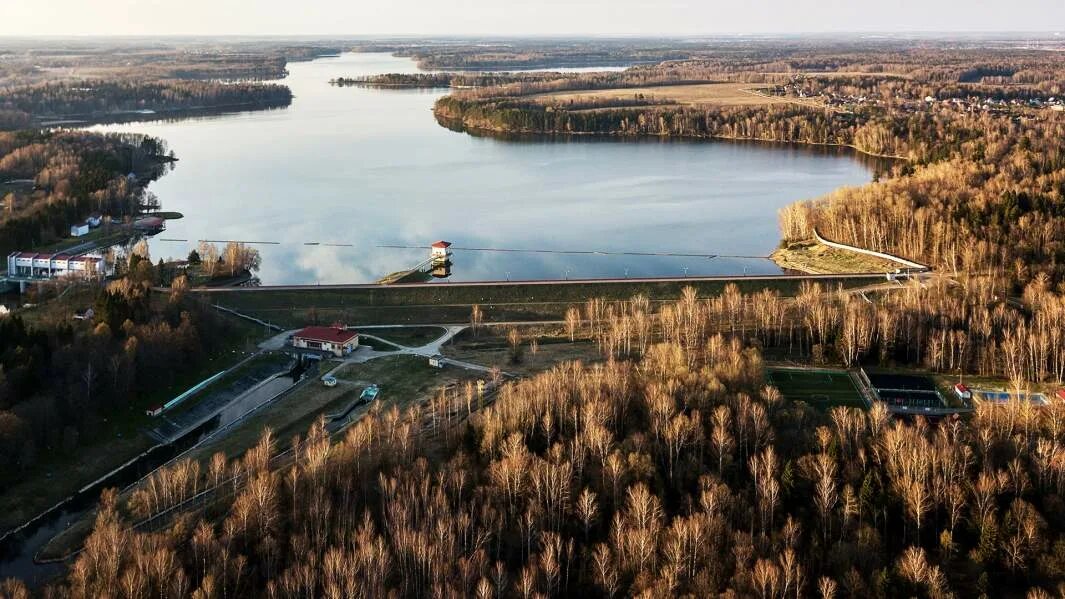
pixel 369 394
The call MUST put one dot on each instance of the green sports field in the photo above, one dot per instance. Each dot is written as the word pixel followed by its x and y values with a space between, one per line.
pixel 820 388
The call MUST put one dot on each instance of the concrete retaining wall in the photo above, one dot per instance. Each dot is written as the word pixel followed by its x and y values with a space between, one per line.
pixel 851 248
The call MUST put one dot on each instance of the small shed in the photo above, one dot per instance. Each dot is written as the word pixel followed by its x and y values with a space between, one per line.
pixel 962 391
pixel 79 229
pixel 440 252
pixel 86 314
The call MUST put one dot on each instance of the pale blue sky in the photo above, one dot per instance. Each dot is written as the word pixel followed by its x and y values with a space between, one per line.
pixel 514 17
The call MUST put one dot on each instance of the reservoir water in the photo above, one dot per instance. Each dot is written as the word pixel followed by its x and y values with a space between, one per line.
pixel 362 168
pixel 343 172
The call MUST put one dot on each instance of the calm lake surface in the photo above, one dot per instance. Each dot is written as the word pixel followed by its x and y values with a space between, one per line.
pixel 371 167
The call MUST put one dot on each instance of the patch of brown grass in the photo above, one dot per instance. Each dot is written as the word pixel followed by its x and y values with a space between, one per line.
pixel 718 94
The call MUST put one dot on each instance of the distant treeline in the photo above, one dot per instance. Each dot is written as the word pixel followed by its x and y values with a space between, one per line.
pixel 29 61
pixel 943 61
pixel 532 54
pixel 430 80
pixel 781 123
pixel 98 98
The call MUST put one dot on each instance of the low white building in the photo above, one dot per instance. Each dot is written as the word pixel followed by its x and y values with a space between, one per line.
pixel 49 266
pixel 335 339
pixel 79 229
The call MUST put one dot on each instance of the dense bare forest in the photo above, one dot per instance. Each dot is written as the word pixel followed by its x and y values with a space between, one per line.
pixel 667 464
pixel 59 382
pixel 60 177
pixel 669 469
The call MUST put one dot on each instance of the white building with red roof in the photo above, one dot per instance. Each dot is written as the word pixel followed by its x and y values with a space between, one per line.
pixel 335 339
pixel 440 251
pixel 962 391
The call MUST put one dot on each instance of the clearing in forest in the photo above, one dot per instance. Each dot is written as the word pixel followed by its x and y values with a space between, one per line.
pixel 821 388
pixel 719 94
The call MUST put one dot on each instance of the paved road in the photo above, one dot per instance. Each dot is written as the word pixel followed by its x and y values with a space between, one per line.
pixel 364 354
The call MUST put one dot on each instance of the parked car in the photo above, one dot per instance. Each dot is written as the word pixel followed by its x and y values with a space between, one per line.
pixel 329 380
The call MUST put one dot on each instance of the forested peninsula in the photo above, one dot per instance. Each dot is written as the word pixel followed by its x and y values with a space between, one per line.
pixel 100 100
pixel 77 81
pixel 981 186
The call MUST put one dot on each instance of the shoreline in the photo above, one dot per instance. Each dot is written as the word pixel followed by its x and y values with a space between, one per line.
pixel 499 132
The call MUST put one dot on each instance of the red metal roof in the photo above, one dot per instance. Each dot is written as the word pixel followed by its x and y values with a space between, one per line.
pixel 961 387
pixel 148 221
pixel 331 334
pixel 442 244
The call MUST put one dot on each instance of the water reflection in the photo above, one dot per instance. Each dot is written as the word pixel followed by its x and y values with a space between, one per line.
pixel 362 168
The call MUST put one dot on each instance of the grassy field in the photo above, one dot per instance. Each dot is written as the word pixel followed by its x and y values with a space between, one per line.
pixel 717 94
pixel 546 356
pixel 103 236
pixel 402 379
pixel 290 415
pixel 819 387
pixel 450 304
pixel 408 336
pixel 50 309
pixel 238 380
pixel 818 259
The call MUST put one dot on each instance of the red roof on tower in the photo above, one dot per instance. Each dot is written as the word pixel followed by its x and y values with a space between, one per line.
pixel 330 334
pixel 442 244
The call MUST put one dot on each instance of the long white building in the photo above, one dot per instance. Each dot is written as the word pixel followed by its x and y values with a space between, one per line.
pixel 36 265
